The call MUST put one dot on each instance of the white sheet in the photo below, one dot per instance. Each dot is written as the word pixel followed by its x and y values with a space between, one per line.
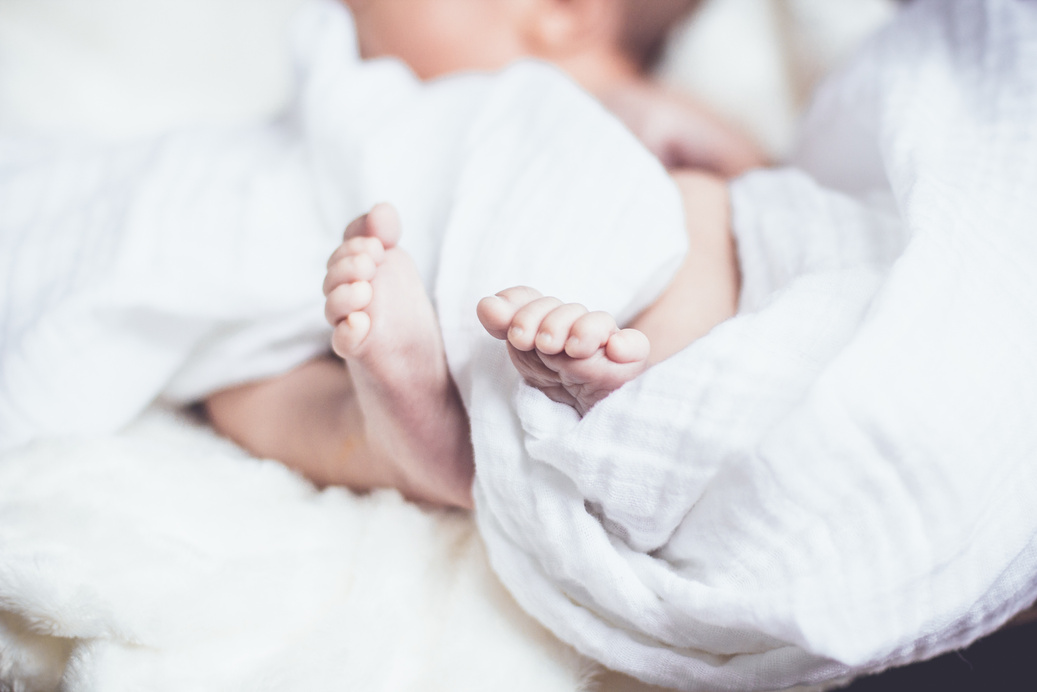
pixel 182 264
pixel 841 478
pixel 160 557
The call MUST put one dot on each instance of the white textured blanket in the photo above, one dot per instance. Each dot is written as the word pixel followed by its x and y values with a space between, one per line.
pixel 841 478
pixel 182 264
pixel 162 558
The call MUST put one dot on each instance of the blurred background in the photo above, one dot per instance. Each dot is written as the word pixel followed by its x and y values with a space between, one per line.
pixel 126 68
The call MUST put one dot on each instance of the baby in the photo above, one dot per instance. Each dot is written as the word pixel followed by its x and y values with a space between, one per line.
pixel 609 46
pixel 393 417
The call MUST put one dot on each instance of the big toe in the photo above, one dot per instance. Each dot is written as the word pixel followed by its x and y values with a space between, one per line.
pixel 382 222
pixel 497 311
pixel 495 314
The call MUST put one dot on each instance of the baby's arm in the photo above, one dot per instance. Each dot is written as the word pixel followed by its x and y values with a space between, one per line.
pixel 579 357
pixel 705 290
pixel 681 132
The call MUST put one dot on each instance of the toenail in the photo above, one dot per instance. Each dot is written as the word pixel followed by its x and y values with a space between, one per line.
pixel 517 331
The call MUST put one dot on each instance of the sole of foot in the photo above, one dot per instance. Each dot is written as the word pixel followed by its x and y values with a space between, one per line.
pixel 386 330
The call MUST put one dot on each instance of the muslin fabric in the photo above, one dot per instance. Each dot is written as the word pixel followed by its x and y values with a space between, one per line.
pixel 840 478
pixel 178 265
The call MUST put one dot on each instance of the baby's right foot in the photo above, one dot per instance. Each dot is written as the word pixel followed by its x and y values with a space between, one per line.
pixel 574 356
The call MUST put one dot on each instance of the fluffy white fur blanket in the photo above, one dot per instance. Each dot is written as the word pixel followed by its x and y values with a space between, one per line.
pixel 164 558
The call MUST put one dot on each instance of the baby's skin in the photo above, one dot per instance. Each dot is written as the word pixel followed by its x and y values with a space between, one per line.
pixel 386 331
pixel 574 356
pixel 579 357
pixel 393 416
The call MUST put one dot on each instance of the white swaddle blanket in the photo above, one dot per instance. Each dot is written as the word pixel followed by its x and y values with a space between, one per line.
pixel 837 480
pixel 842 477
pixel 179 265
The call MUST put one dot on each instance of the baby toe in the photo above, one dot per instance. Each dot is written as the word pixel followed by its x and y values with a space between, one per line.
pixel 495 315
pixel 555 328
pixel 349 269
pixel 519 296
pixel 525 326
pixel 383 223
pixel 372 247
pixel 358 246
pixel 346 299
pixel 628 346
pixel 589 333
pixel 355 228
pixel 350 333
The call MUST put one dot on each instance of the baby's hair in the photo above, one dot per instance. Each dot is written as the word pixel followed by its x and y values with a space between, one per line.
pixel 646 26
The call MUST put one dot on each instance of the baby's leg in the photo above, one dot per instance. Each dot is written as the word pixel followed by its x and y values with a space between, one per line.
pixel 574 356
pixel 394 417
pixel 704 293
pixel 387 332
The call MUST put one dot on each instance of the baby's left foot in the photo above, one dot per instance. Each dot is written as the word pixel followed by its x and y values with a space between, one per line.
pixel 574 356
pixel 387 332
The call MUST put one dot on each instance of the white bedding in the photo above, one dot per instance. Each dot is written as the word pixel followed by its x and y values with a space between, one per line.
pixel 841 478
pixel 178 265
pixel 165 558
pixel 745 569
pixel 171 266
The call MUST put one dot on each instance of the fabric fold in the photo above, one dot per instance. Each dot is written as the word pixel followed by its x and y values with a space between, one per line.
pixel 183 264
pixel 838 479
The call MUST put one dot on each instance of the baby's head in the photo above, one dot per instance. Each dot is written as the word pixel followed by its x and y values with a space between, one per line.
pixel 597 41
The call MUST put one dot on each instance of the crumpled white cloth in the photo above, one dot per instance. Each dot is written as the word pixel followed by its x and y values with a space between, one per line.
pixel 842 477
pixel 179 265
pixel 160 557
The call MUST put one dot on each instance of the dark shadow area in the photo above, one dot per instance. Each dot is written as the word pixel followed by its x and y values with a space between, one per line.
pixel 1005 661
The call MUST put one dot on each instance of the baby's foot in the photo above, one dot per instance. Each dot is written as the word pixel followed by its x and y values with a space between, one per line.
pixel 574 356
pixel 386 330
